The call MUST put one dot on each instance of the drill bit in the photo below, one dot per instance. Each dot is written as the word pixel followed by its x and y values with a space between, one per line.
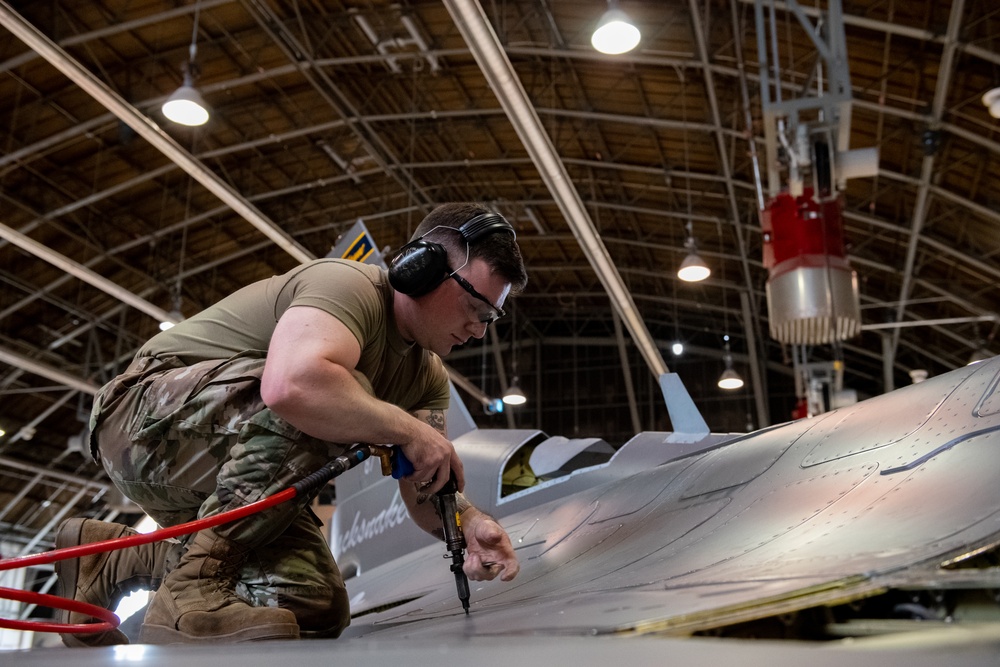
pixel 455 539
pixel 394 462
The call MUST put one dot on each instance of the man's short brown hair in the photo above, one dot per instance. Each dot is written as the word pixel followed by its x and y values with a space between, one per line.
pixel 499 249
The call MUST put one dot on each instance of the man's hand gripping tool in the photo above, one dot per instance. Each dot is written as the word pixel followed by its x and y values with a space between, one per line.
pixel 395 463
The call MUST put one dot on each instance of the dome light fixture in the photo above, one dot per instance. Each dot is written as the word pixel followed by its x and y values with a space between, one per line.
pixel 514 395
pixel 175 317
pixel 693 268
pixel 729 379
pixel 991 99
pixel 979 354
pixel 615 33
pixel 186 106
pixel 677 348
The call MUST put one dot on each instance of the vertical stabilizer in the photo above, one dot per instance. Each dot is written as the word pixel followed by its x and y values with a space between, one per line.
pixel 684 415
pixel 459 418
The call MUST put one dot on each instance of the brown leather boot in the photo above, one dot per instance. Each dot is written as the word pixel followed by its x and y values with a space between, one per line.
pixel 104 579
pixel 197 601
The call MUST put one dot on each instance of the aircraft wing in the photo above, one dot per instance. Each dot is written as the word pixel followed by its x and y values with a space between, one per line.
pixel 878 522
pixel 878 513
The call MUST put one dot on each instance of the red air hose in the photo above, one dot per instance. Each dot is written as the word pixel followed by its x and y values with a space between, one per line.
pixel 110 621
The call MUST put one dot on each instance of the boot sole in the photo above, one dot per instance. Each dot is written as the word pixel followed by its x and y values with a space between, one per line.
pixel 164 634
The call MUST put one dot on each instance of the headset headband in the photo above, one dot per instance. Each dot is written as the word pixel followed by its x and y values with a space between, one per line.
pixel 483 225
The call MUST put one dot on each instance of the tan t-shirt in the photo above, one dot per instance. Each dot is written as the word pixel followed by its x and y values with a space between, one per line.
pixel 359 295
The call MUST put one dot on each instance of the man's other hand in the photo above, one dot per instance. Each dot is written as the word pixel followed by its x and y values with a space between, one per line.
pixel 489 551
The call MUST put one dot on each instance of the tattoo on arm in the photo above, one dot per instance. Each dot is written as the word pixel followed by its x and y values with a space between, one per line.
pixel 423 497
pixel 461 503
pixel 435 502
pixel 436 419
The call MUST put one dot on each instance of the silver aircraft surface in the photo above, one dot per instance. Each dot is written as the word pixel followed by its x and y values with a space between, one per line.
pixel 869 535
pixel 877 519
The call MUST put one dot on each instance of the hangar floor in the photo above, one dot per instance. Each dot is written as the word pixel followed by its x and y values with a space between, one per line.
pixel 979 646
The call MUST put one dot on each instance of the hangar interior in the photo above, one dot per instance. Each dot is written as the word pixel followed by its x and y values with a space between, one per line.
pixel 612 168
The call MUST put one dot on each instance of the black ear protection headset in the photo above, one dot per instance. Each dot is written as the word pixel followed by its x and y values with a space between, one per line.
pixel 422 265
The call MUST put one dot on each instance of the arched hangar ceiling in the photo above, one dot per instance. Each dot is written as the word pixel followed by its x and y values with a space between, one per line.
pixel 324 113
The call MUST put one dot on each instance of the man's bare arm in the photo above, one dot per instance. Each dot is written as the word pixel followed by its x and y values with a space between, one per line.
pixel 425 507
pixel 489 552
pixel 308 381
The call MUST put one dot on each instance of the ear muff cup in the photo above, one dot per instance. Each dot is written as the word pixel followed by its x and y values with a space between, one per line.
pixel 419 267
pixel 422 265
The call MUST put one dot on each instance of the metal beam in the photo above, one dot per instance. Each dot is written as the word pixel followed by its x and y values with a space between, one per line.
pixel 83 273
pixel 146 128
pixel 489 54
pixel 752 322
pixel 633 407
pixel 372 143
pixel 756 378
pixel 32 366
pixel 467 385
pixel 930 323
pixel 116 29
pixel 927 168
pixel 501 370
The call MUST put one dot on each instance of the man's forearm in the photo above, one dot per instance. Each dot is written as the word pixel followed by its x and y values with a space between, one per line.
pixel 360 416
pixel 425 508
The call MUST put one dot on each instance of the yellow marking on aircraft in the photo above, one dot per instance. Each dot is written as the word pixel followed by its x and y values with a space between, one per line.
pixel 360 249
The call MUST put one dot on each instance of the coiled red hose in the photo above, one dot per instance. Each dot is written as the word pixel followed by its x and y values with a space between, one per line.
pixel 109 620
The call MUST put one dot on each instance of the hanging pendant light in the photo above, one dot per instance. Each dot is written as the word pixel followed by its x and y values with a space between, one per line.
pixel 979 354
pixel 175 317
pixel 514 395
pixel 991 99
pixel 693 269
pixel 186 106
pixel 729 379
pixel 615 33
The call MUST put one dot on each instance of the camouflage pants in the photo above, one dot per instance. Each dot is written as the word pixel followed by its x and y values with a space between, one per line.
pixel 185 442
